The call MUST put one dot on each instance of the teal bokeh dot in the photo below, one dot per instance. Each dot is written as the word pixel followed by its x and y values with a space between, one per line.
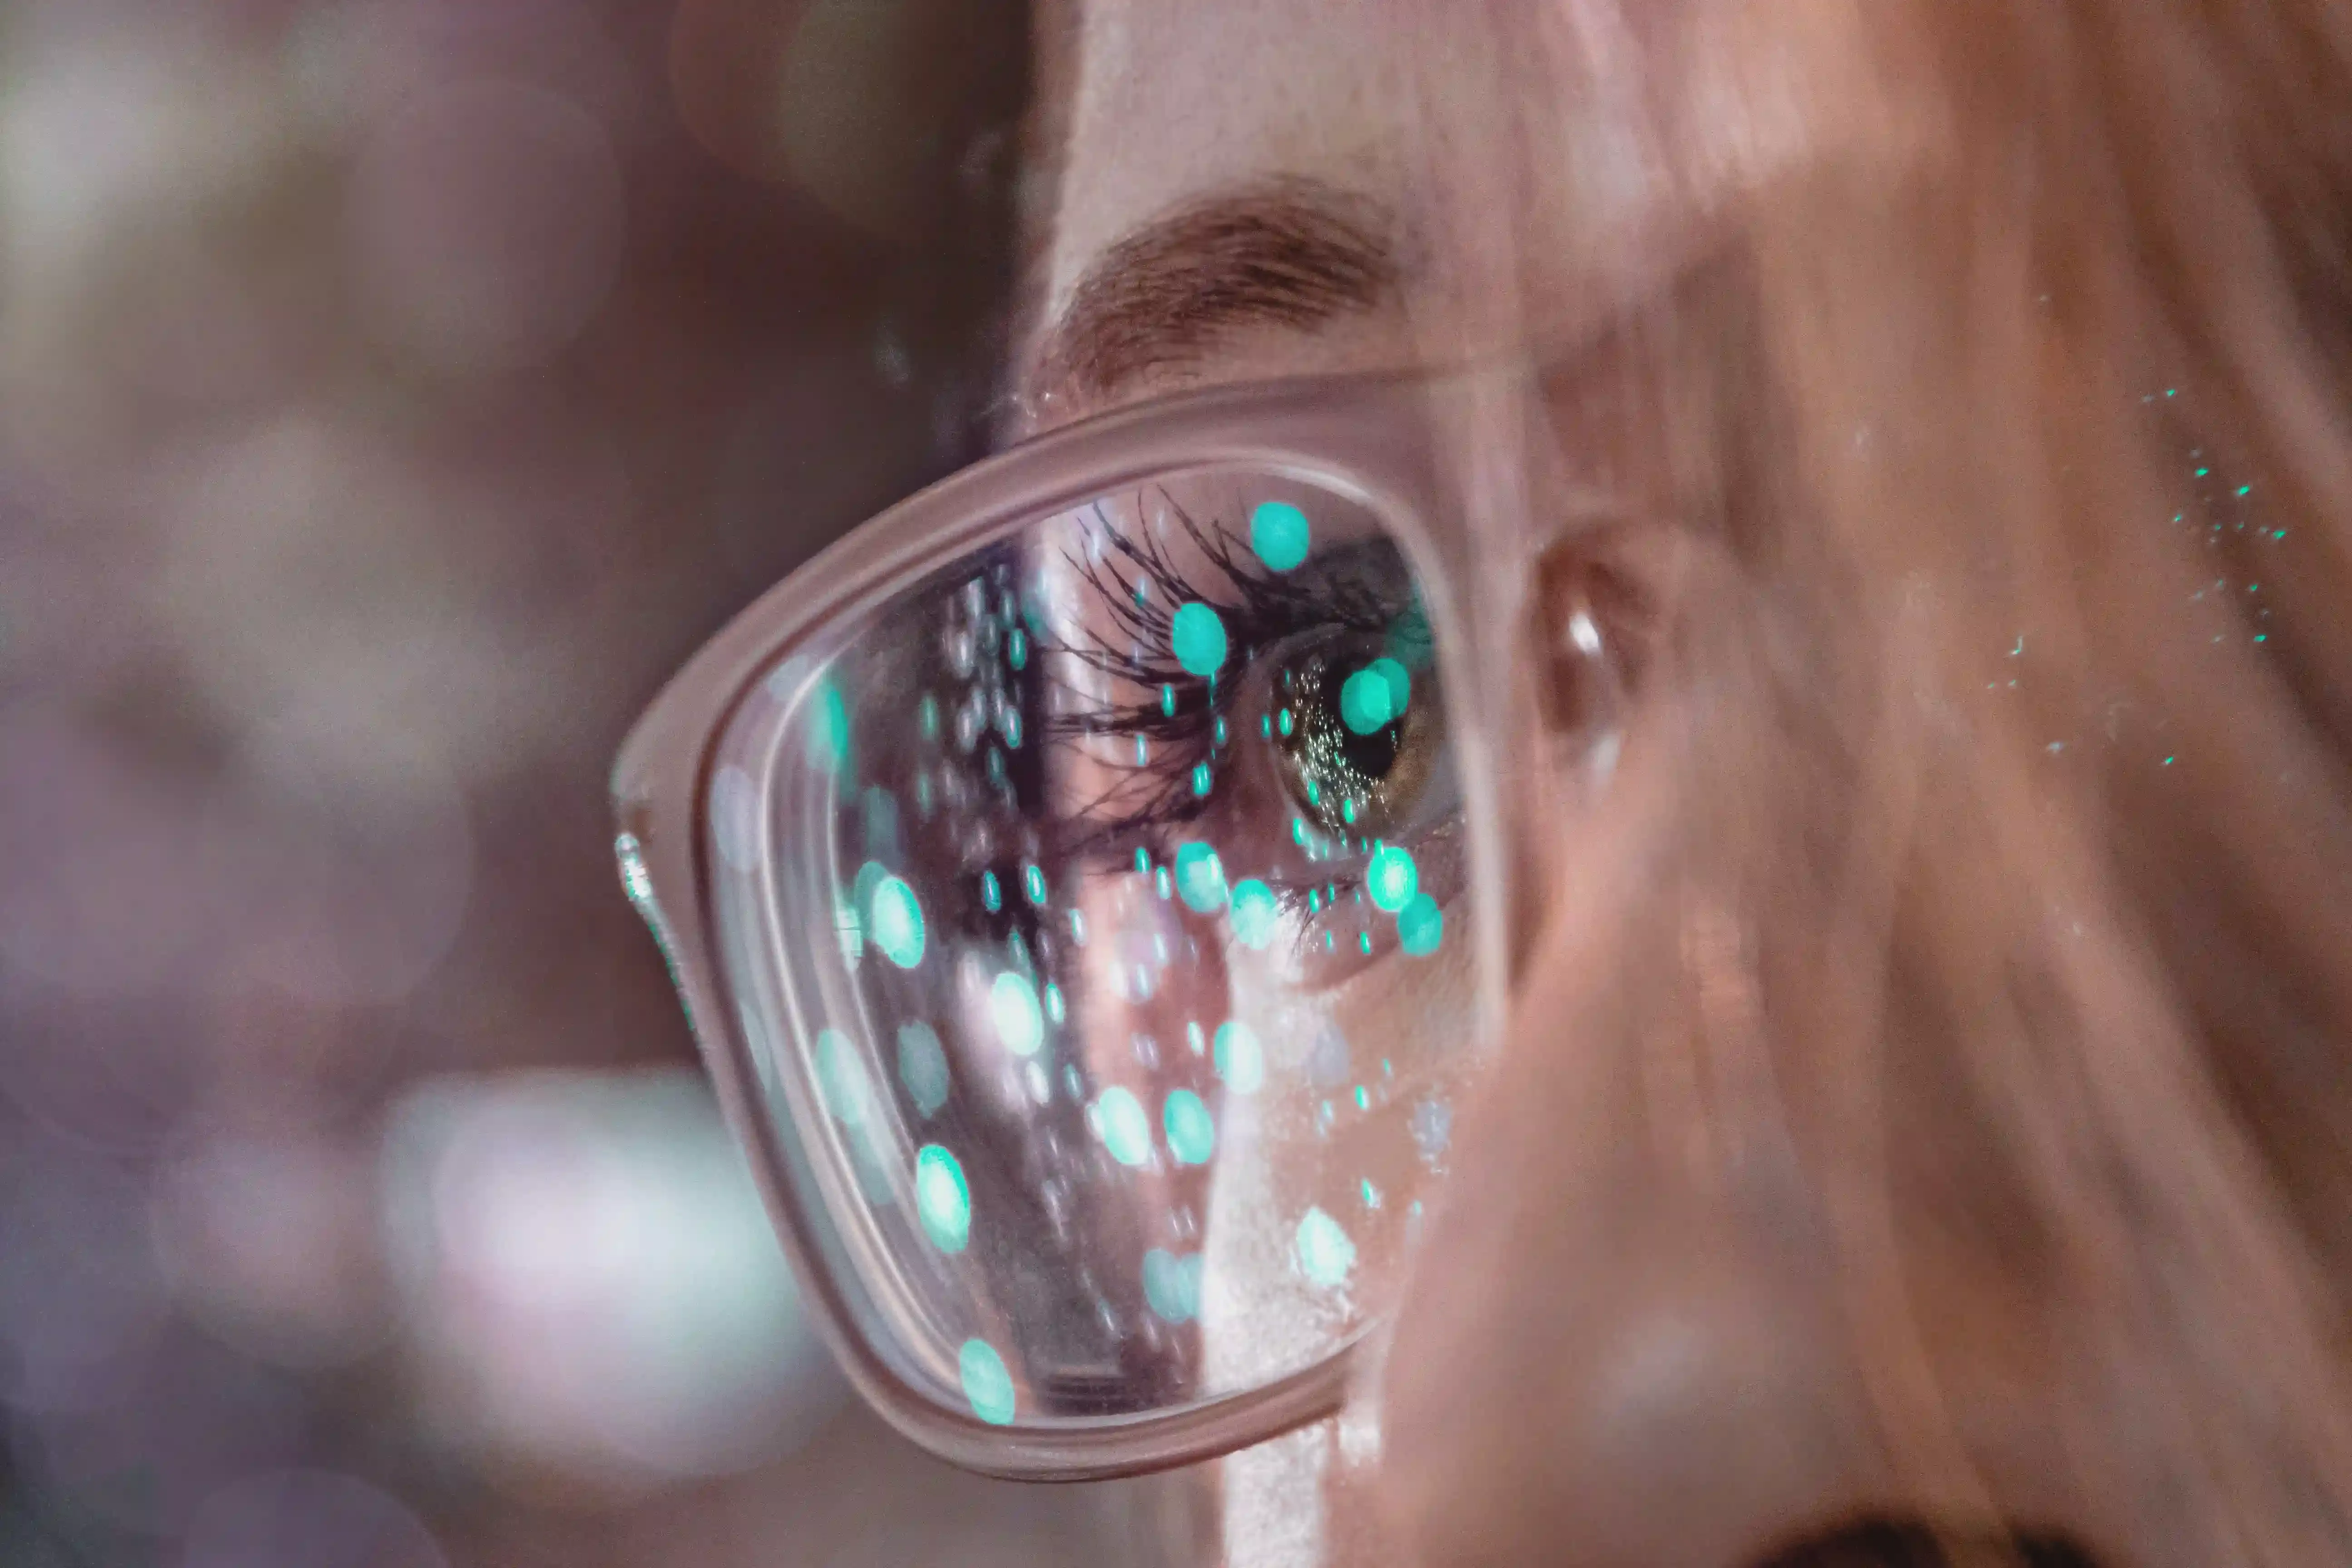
pixel 1240 1059
pixel 1172 1284
pixel 1013 1006
pixel 841 1078
pixel 895 924
pixel 1198 636
pixel 1253 913
pixel 828 729
pixel 1125 1130
pixel 1279 535
pixel 1191 1131
pixel 1200 878
pixel 942 1198
pixel 1391 878
pixel 1325 1253
pixel 922 1068
pixel 986 1383
pixel 1420 926
pixel 1364 701
pixel 1399 683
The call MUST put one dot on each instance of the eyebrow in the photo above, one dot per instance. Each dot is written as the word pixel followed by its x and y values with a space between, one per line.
pixel 1291 254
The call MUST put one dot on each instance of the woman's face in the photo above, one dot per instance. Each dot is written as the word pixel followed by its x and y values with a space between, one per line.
pixel 1618 1348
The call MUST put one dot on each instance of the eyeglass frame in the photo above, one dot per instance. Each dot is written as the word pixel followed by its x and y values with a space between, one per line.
pixel 1372 438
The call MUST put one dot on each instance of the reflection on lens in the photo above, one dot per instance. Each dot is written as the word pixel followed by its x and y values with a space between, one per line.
pixel 986 1383
pixel 1139 832
pixel 1192 1131
pixel 943 1199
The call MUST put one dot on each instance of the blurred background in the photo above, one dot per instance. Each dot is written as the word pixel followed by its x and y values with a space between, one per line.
pixel 392 394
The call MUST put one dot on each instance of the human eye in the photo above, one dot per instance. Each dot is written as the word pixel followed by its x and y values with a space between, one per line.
pixel 1270 725
pixel 1138 830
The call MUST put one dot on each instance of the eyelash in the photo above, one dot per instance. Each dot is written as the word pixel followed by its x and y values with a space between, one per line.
pixel 1181 736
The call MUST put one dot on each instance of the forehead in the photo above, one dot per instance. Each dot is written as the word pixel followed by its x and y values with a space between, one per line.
pixel 1542 160
pixel 1167 103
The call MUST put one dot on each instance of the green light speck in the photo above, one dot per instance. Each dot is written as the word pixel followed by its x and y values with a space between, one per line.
pixel 991 897
pixel 828 729
pixel 1055 1009
pixel 1420 926
pixel 1013 1005
pixel 1198 636
pixel 922 1068
pixel 1200 877
pixel 1203 778
pixel 841 1078
pixel 1032 883
pixel 1167 700
pixel 895 925
pixel 1363 1098
pixel 1240 1059
pixel 1364 702
pixel 1391 878
pixel 1324 1252
pixel 1123 1127
pixel 1192 1134
pixel 942 1198
pixel 986 1383
pixel 1279 534
pixel 1253 913
pixel 1172 1284
pixel 1286 723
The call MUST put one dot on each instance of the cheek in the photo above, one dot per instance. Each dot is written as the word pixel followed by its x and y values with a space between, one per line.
pixel 1606 1339
pixel 1589 1348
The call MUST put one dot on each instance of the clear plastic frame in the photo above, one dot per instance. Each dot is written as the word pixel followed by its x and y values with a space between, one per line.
pixel 1083 883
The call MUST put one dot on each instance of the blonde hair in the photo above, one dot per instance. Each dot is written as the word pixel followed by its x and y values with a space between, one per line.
pixel 2006 707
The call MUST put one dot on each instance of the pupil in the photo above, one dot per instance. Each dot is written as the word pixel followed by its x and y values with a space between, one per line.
pixel 1370 755
pixel 1337 772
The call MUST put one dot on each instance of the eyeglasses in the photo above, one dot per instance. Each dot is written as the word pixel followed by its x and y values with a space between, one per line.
pixel 1085 887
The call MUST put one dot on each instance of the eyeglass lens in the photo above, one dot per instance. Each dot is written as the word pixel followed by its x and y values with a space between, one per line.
pixel 1117 876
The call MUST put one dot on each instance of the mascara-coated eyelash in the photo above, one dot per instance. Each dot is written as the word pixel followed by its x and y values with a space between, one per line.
pixel 1178 714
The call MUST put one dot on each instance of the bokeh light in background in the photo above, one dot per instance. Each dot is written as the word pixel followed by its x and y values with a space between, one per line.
pixel 392 393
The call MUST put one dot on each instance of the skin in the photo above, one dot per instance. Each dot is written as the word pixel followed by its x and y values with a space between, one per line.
pixel 1654 1367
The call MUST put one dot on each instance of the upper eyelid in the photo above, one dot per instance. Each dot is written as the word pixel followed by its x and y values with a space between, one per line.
pixel 1345 577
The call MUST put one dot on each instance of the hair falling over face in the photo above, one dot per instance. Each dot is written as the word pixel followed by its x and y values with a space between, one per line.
pixel 1975 890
